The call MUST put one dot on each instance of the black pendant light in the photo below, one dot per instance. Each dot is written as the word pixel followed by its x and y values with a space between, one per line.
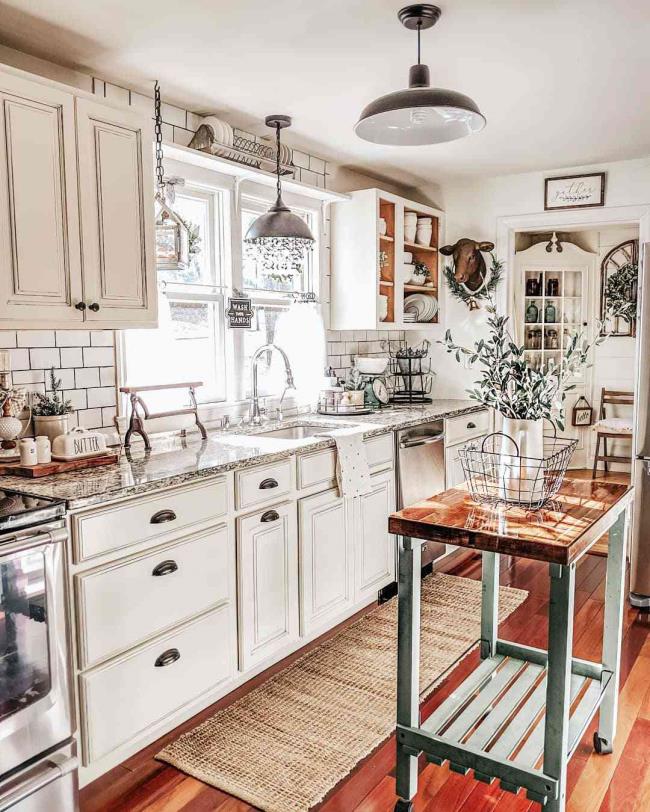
pixel 280 231
pixel 420 114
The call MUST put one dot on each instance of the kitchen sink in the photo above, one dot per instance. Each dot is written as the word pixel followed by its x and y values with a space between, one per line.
pixel 300 432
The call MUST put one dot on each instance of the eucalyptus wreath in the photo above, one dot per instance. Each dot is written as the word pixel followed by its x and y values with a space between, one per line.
pixel 619 292
pixel 509 384
pixel 471 297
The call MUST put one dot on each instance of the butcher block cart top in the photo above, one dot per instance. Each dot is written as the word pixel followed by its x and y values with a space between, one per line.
pixel 520 715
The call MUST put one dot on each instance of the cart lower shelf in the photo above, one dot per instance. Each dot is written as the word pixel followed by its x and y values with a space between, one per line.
pixel 494 722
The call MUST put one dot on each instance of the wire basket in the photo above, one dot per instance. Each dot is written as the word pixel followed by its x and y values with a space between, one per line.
pixel 497 474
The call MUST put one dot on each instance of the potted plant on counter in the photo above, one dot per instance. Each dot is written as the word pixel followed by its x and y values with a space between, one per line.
pixel 51 411
pixel 524 395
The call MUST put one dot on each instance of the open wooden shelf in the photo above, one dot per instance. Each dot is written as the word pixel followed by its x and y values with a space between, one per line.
pixel 416 246
pixel 386 238
pixel 420 289
pixel 386 282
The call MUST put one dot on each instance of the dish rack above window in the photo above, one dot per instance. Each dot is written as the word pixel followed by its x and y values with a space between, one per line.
pixel 242 151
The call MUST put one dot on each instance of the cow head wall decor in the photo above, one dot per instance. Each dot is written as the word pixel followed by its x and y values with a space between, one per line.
pixel 469 264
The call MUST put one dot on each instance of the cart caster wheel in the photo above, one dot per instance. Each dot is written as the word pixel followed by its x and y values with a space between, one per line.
pixel 601 746
pixel 403 806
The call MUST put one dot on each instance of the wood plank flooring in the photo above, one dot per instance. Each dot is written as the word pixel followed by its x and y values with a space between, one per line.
pixel 616 782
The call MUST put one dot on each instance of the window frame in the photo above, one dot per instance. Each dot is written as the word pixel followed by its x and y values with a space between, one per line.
pixel 233 194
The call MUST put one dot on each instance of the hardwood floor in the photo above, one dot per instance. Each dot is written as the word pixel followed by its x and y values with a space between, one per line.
pixel 613 783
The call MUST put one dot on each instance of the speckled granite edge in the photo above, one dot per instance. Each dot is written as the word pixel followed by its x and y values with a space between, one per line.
pixel 174 461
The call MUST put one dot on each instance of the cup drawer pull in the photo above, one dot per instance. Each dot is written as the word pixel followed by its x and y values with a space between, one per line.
pixel 471 425
pixel 266 484
pixel 167 657
pixel 165 568
pixel 163 516
pixel 270 516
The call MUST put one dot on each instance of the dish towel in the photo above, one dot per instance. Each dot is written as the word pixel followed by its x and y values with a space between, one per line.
pixel 352 470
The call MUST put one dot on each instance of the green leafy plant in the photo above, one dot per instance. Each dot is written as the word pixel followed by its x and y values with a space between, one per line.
pixel 52 403
pixel 420 269
pixel 509 384
pixel 620 292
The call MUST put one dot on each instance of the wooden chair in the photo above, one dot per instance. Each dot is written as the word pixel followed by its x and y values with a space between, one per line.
pixel 611 428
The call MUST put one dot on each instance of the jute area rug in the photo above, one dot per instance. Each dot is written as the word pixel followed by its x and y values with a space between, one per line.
pixel 284 745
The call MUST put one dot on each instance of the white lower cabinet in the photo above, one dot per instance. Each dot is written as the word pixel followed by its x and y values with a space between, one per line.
pixel 135 692
pixel 326 559
pixel 267 559
pixel 374 545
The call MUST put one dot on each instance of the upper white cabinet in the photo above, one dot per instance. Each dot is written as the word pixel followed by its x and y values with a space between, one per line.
pixel 115 188
pixel 375 248
pixel 76 209
pixel 40 267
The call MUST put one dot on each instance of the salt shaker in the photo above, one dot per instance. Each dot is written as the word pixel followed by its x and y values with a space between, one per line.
pixel 27 448
pixel 43 449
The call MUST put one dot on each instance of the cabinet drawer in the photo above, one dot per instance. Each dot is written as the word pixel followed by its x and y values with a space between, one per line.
pixel 123 604
pixel 263 484
pixel 319 468
pixel 119 526
pixel 125 697
pixel 466 427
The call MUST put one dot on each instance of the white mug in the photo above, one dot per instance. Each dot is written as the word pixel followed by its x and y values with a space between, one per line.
pixel 43 449
pixel 27 448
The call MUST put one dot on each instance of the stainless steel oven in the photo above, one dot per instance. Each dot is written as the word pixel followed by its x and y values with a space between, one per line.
pixel 36 717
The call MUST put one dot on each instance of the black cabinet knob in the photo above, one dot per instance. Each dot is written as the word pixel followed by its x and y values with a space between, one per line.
pixel 80 306
pixel 94 307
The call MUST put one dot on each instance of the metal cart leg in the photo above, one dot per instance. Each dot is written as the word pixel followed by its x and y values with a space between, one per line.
pixel 558 687
pixel 408 662
pixel 613 631
pixel 489 604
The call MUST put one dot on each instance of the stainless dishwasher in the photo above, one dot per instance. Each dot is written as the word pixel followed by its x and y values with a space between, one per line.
pixel 421 471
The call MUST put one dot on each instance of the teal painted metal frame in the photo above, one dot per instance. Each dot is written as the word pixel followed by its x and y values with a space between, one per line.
pixel 548 785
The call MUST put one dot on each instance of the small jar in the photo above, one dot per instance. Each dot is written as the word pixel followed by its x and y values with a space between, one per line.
pixel 27 447
pixel 43 449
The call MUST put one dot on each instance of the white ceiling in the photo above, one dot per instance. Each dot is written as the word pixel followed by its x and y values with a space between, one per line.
pixel 561 82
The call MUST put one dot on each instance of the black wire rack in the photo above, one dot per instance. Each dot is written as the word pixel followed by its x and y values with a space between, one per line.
pixel 411 378
pixel 497 474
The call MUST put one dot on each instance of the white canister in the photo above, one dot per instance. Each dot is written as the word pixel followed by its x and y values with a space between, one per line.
pixel 383 226
pixel 27 448
pixel 43 449
pixel 410 226
pixel 423 234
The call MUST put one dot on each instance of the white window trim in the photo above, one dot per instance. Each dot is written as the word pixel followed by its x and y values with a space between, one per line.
pixel 234 189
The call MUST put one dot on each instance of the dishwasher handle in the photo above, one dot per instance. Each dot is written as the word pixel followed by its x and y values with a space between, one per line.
pixel 426 439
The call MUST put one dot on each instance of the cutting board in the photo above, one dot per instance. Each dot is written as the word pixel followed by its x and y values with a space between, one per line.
pixel 54 467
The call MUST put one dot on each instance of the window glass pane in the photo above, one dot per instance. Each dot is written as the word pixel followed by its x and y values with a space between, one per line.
pixel 270 368
pixel 187 346
pixel 196 209
pixel 259 277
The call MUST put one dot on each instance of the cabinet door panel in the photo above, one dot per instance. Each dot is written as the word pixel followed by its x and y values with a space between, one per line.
pixel 116 182
pixel 40 271
pixel 326 565
pixel 268 582
pixel 375 546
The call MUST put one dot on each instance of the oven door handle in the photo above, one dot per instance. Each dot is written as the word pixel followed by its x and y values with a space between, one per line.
pixel 426 439
pixel 20 543
pixel 52 769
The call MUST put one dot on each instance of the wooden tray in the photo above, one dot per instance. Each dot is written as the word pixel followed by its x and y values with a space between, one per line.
pixel 54 467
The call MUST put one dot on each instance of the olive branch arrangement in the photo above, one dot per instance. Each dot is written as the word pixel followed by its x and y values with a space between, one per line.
pixel 509 384
pixel 619 298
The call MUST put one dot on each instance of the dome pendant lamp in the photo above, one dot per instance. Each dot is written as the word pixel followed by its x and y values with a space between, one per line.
pixel 420 114
pixel 280 237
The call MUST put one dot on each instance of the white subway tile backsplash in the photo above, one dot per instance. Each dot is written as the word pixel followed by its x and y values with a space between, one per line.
pixel 73 338
pixel 107 376
pixel 71 357
pixel 182 136
pixel 7 338
pixel 42 358
pixel 102 338
pixel 108 416
pixel 98 356
pixel 104 396
pixel 86 378
pixel 66 376
pixel 19 359
pixel 35 338
pixel 27 376
pixel 90 418
pixel 77 398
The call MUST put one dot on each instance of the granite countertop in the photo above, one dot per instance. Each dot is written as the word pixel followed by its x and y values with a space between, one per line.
pixel 176 461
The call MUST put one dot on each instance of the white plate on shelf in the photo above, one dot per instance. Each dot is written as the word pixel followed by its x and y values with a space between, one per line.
pixel 423 306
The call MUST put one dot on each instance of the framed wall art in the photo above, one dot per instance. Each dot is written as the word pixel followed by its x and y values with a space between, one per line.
pixel 574 192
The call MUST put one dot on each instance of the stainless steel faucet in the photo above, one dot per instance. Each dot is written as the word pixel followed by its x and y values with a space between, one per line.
pixel 255 412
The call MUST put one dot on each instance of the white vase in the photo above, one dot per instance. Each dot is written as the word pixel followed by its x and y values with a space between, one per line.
pixel 410 226
pixel 521 474
pixel 423 234
pixel 50 426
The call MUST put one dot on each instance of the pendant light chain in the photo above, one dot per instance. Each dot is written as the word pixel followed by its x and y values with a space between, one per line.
pixel 160 177
pixel 277 158
pixel 419 31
